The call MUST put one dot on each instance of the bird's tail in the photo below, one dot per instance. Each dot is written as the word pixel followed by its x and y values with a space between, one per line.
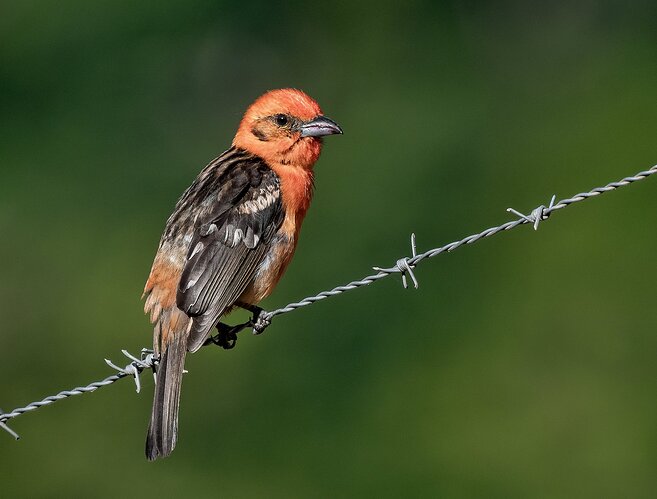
pixel 163 428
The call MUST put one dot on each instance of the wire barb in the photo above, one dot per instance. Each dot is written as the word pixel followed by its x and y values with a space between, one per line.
pixel 539 213
pixel 404 266
pixel 5 427
pixel 135 367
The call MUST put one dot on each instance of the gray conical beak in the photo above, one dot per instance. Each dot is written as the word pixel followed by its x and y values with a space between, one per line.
pixel 319 127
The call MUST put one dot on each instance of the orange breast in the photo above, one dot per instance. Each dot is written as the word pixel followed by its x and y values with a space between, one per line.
pixel 297 185
pixel 270 270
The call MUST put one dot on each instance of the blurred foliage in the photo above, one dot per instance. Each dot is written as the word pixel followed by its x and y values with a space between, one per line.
pixel 522 367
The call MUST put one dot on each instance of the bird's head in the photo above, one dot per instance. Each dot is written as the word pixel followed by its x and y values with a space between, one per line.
pixel 285 127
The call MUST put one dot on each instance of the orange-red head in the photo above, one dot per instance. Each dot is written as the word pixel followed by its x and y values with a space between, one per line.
pixel 285 127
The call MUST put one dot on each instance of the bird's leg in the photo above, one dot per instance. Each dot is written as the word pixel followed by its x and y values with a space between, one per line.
pixel 254 309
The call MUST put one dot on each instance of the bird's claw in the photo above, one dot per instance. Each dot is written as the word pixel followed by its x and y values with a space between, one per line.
pixel 226 337
pixel 227 340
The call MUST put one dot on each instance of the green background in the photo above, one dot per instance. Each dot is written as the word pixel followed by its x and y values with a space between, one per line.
pixel 523 366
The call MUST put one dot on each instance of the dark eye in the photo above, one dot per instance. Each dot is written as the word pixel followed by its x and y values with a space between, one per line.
pixel 281 119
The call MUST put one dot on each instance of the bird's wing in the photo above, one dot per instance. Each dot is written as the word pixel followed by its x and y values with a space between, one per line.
pixel 230 241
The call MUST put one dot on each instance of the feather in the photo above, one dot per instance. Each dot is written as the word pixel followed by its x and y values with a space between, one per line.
pixel 231 240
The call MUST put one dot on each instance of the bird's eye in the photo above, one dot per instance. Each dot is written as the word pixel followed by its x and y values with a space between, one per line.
pixel 281 119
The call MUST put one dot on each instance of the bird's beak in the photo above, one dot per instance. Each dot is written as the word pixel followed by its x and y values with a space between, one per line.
pixel 319 127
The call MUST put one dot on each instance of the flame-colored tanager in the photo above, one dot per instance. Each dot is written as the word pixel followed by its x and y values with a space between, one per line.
pixel 230 238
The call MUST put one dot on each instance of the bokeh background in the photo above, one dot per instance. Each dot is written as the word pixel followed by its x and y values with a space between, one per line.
pixel 524 366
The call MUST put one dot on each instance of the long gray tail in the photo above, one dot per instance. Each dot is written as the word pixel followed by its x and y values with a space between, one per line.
pixel 163 428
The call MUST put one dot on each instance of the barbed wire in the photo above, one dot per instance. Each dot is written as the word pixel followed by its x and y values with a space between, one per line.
pixel 406 265
pixel 403 266
pixel 133 369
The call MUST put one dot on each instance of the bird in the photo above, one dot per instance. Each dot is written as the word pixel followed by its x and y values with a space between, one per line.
pixel 230 239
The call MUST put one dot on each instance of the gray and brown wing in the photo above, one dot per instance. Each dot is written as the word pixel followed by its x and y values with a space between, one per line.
pixel 229 244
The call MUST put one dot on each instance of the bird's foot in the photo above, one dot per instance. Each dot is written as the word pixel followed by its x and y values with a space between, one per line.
pixel 226 336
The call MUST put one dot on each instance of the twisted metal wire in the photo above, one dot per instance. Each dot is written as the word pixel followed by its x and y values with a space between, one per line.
pixel 403 266
pixel 133 369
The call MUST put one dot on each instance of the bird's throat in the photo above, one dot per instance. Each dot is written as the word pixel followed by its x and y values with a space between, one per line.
pixel 297 185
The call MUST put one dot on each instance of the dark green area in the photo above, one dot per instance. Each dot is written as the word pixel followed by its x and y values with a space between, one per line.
pixel 524 366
